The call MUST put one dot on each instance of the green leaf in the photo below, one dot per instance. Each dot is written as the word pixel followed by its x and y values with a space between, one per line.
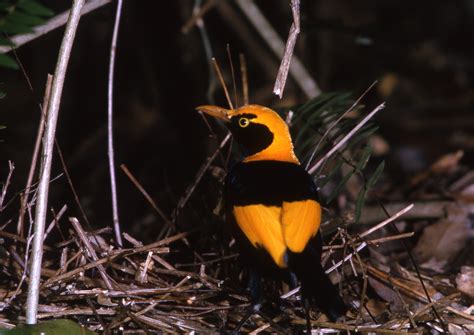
pixel 364 158
pixel 8 62
pixel 35 8
pixel 25 19
pixel 52 327
pixel 4 41
pixel 360 202
pixel 13 28
pixel 378 172
pixel 339 187
pixel 2 95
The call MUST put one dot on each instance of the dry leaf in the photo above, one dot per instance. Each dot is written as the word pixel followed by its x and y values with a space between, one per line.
pixel 443 240
pixel 465 280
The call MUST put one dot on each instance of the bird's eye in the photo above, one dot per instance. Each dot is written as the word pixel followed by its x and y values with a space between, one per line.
pixel 244 122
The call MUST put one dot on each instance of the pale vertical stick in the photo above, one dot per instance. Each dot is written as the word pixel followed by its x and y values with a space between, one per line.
pixel 245 79
pixel 45 172
pixel 221 79
pixel 110 143
pixel 34 160
pixel 231 64
pixel 280 81
pixel 299 73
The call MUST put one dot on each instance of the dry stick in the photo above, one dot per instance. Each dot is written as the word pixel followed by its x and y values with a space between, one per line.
pixel 221 79
pixel 110 145
pixel 417 270
pixel 110 258
pixel 289 48
pixel 48 145
pixel 198 13
pixel 331 127
pixel 422 310
pixel 34 159
pixel 11 167
pixel 297 70
pixel 345 138
pixel 51 24
pixel 145 194
pixel 374 241
pixel 245 79
pixel 90 250
pixel 404 304
pixel 55 220
pixel 25 269
pixel 387 221
pixel 231 64
pixel 182 202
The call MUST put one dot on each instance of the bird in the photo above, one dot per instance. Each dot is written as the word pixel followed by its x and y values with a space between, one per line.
pixel 272 204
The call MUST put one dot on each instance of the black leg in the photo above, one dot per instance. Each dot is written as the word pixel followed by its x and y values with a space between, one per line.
pixel 255 286
pixel 307 314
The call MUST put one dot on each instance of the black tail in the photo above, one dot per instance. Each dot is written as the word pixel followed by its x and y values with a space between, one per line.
pixel 315 284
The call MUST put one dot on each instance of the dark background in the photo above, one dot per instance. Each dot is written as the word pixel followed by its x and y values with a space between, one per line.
pixel 421 52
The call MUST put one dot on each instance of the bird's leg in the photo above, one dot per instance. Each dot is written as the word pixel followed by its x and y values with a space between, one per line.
pixel 253 309
pixel 307 307
pixel 255 286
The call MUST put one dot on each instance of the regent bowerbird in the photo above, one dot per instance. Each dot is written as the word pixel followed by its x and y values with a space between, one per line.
pixel 273 208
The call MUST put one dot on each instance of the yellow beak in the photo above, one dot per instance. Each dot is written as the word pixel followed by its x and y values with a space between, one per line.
pixel 215 111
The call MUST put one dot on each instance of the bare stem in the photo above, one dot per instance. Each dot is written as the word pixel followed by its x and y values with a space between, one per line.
pixel 110 150
pixel 34 159
pixel 297 70
pixel 45 171
pixel 346 138
pixel 289 48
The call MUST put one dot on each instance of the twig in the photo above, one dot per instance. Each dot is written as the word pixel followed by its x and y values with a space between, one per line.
pixel 145 194
pixel 184 199
pixel 374 241
pixel 11 167
pixel 346 138
pixel 289 48
pixel 34 159
pixel 110 258
pixel 90 250
pixel 415 265
pixel 234 85
pixel 48 144
pixel 328 271
pixel 110 145
pixel 198 13
pixel 245 79
pixel 54 23
pixel 221 79
pixel 387 221
pixel 331 127
pixel 55 220
pixel 297 70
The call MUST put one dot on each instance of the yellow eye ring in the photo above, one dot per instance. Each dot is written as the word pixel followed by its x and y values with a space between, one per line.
pixel 244 122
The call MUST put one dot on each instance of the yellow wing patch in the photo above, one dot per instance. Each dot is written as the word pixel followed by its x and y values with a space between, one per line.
pixel 300 222
pixel 278 228
pixel 262 226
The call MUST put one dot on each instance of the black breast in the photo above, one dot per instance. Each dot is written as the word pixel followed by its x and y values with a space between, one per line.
pixel 269 183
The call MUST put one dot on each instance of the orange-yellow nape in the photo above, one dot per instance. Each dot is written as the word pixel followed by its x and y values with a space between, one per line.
pixel 260 130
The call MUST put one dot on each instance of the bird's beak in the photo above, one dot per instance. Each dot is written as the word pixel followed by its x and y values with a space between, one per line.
pixel 215 111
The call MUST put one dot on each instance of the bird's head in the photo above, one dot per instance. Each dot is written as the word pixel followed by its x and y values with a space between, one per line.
pixel 259 130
